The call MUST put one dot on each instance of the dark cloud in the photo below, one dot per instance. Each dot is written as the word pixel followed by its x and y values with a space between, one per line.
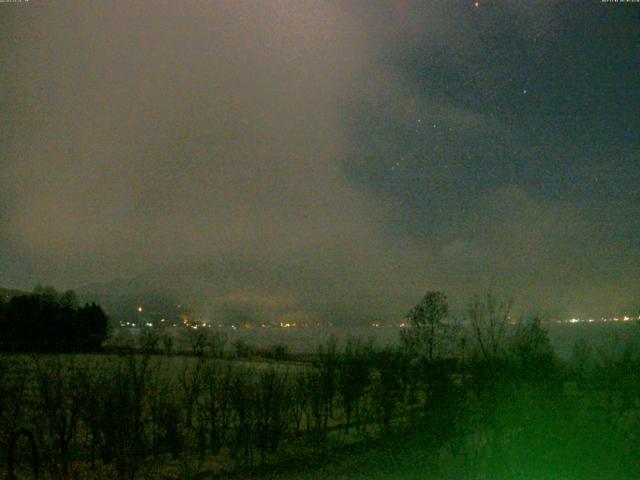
pixel 344 156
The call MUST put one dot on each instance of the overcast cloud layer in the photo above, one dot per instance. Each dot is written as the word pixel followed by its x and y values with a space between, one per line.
pixel 322 158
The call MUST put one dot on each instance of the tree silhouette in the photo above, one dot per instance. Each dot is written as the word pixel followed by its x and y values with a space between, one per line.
pixel 428 333
pixel 48 321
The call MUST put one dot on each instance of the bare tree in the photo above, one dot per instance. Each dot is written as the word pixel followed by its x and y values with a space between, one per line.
pixel 327 366
pixel 166 340
pixel 489 316
pixel 148 340
pixel 390 382
pixel 217 403
pixel 58 410
pixel 217 341
pixel 197 341
pixel 271 406
pixel 353 379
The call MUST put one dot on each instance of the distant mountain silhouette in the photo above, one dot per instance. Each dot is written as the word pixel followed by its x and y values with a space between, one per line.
pixel 122 297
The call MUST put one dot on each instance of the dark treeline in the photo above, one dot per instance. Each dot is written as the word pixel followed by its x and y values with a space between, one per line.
pixel 48 321
pixel 488 391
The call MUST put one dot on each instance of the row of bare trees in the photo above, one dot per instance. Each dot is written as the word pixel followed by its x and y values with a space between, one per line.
pixel 487 330
pixel 127 416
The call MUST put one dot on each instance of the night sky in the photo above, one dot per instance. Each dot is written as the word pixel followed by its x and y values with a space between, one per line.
pixel 325 158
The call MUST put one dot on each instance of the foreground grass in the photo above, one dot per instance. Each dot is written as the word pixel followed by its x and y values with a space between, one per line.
pixel 532 436
pixel 413 461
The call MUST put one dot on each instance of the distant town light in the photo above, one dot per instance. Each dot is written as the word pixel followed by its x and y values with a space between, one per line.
pixel 139 309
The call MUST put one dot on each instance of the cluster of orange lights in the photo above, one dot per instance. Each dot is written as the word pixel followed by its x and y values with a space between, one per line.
pixel 288 325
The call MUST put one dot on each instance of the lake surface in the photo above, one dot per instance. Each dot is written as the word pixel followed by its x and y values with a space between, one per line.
pixel 608 338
